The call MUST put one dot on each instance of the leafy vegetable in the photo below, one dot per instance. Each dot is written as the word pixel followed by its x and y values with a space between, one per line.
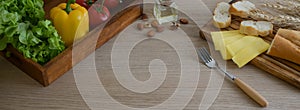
pixel 22 24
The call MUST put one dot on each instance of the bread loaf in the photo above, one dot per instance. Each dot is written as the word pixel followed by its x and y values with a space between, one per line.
pixel 286 45
pixel 222 17
pixel 255 28
pixel 242 8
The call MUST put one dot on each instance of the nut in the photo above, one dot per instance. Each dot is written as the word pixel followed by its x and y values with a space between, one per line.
pixel 184 21
pixel 140 26
pixel 151 33
pixel 154 23
pixel 174 26
pixel 145 17
pixel 147 25
pixel 160 28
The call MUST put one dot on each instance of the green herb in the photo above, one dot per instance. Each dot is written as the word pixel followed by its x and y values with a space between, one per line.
pixel 22 24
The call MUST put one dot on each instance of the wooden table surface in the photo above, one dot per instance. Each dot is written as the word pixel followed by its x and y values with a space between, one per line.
pixel 19 91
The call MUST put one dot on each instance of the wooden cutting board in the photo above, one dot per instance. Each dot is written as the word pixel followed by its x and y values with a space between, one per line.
pixel 283 69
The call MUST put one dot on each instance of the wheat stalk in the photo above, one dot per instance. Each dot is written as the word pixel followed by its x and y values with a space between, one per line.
pixel 287 14
pixel 285 7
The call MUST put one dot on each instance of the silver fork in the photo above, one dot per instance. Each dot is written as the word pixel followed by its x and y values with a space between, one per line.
pixel 211 63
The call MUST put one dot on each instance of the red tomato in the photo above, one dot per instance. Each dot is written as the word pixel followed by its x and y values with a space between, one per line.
pixel 97 15
pixel 111 3
pixel 85 3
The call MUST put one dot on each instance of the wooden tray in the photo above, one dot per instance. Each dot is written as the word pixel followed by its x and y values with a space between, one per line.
pixel 46 74
pixel 283 69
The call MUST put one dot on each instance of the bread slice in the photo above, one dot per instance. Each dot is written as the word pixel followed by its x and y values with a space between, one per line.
pixel 256 28
pixel 242 8
pixel 222 17
pixel 286 45
pixel 265 28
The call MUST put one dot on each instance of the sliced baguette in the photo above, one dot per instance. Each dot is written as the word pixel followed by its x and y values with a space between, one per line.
pixel 256 28
pixel 286 45
pixel 222 17
pixel 242 8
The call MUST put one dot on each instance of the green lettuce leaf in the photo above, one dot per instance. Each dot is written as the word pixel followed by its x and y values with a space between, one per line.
pixel 22 24
pixel 3 43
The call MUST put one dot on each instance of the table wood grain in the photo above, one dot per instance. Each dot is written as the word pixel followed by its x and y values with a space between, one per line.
pixel 19 91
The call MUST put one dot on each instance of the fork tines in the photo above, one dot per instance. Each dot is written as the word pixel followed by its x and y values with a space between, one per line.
pixel 204 55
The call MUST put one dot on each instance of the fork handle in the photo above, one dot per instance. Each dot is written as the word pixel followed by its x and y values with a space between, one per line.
pixel 251 92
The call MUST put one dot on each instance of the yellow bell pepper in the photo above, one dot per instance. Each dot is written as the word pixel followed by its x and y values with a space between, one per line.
pixel 71 21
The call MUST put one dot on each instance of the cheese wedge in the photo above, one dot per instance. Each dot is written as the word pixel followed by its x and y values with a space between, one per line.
pixel 227 32
pixel 245 55
pixel 218 36
pixel 236 46
pixel 226 41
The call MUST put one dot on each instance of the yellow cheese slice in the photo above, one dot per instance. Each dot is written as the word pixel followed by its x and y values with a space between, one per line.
pixel 217 37
pixel 248 53
pixel 227 32
pixel 226 41
pixel 236 46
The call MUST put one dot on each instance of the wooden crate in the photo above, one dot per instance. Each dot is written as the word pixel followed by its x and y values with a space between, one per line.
pixel 46 74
